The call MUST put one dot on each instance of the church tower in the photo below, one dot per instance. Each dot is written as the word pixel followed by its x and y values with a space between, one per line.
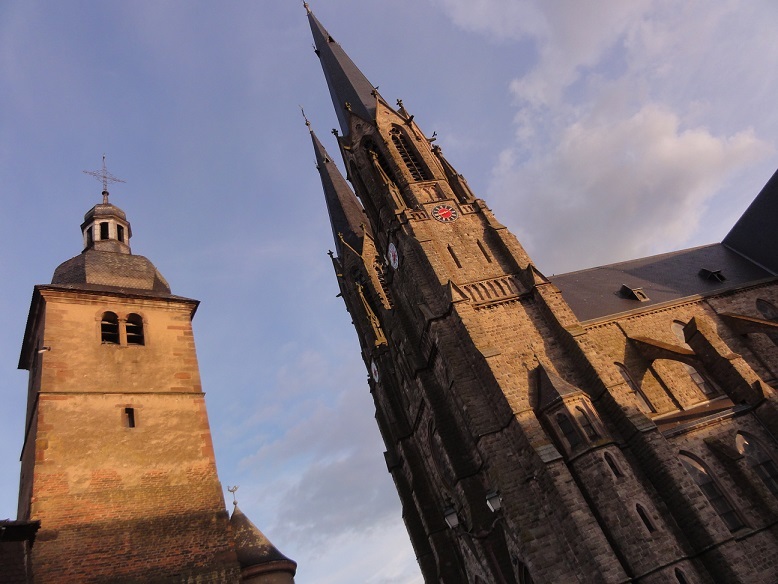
pixel 612 425
pixel 117 464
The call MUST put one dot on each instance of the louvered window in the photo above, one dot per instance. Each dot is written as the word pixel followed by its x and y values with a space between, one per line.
pixel 409 156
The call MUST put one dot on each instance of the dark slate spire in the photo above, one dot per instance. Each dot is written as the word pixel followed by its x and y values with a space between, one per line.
pixel 754 235
pixel 349 88
pixel 256 554
pixel 346 214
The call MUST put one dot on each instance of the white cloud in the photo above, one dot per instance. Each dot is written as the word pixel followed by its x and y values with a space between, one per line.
pixel 614 189
pixel 629 122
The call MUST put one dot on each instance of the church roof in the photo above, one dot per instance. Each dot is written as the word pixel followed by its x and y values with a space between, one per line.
pixel 755 235
pixel 253 547
pixel 606 290
pixel 346 82
pixel 346 214
pixel 111 270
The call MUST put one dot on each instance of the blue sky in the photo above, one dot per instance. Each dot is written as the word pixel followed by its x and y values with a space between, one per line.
pixel 596 131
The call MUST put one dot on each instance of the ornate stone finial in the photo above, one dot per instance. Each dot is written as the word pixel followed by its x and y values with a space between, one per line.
pixel 307 8
pixel 233 490
pixel 307 123
pixel 105 177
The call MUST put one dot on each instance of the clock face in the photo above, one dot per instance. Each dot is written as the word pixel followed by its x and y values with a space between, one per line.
pixel 444 213
pixel 374 371
pixel 394 257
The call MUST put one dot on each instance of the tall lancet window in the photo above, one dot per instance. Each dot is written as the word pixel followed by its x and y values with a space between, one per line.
pixel 759 460
pixel 704 384
pixel 712 491
pixel 410 157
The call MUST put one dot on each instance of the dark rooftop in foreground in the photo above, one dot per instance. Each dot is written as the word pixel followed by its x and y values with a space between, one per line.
pixel 602 291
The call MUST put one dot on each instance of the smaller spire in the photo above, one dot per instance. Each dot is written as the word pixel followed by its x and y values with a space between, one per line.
pixel 347 217
pixel 307 8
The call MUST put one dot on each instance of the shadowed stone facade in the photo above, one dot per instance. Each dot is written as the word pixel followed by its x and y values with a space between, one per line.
pixel 624 417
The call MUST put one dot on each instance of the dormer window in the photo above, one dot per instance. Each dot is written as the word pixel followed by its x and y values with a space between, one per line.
pixel 633 293
pixel 713 275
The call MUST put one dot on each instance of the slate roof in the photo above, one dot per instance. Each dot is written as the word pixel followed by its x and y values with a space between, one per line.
pixel 345 211
pixel 253 547
pixel 110 270
pixel 346 82
pixel 594 293
pixel 755 235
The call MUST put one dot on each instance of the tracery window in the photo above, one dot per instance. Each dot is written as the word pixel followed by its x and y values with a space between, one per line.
pixel 710 488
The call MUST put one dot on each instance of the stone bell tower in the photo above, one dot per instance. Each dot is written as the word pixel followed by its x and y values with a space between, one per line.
pixel 611 425
pixel 117 463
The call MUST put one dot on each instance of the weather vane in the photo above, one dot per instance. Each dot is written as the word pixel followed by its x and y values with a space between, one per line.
pixel 233 490
pixel 105 177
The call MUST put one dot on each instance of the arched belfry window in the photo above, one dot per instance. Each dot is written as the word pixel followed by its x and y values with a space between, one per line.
pixel 104 230
pixel 759 460
pixel 706 387
pixel 134 329
pixel 409 155
pixel 109 328
pixel 712 491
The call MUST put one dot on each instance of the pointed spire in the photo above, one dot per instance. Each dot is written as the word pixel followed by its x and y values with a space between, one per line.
pixel 346 214
pixel 349 88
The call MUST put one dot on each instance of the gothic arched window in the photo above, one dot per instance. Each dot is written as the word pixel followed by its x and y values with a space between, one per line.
pixel 613 466
pixel 706 387
pixel 586 424
pixel 568 429
pixel 644 517
pixel 135 330
pixel 109 328
pixel 409 156
pixel 645 405
pixel 712 491
pixel 759 460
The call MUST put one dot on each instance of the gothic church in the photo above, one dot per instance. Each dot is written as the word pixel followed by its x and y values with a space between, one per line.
pixel 615 424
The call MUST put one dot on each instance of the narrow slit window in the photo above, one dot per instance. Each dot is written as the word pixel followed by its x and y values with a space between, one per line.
pixel 613 466
pixel 483 251
pixel 135 330
pixel 120 233
pixel 645 518
pixel 103 230
pixel 129 417
pixel 680 576
pixel 454 256
pixel 109 328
